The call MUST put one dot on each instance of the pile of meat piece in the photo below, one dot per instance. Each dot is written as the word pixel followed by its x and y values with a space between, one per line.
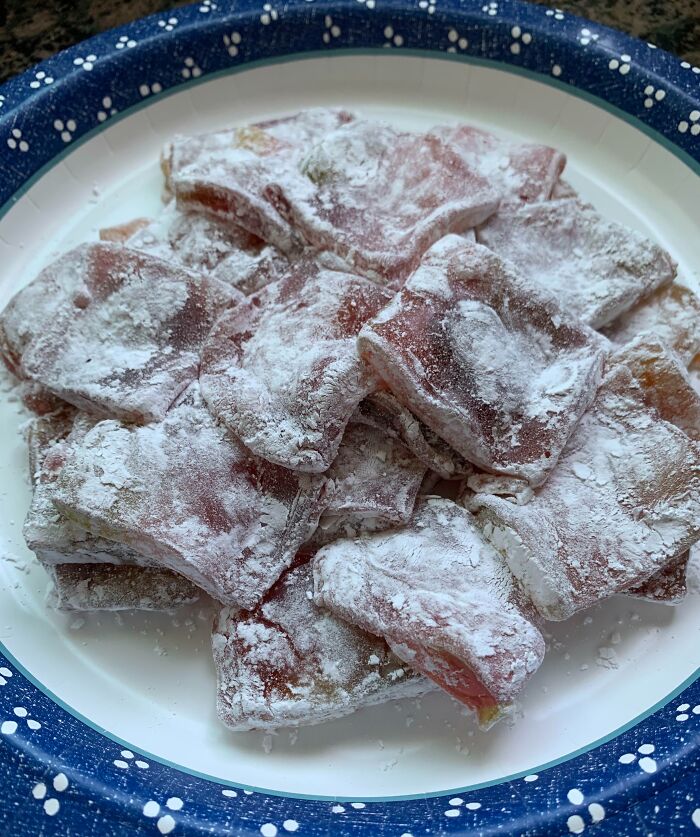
pixel 391 400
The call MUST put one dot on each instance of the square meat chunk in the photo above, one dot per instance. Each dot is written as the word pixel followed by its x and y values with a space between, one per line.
pixel 443 599
pixel 489 363
pixel 186 494
pixel 622 503
pixel 596 269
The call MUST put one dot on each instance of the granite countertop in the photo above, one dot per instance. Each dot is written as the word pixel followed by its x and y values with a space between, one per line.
pixel 31 31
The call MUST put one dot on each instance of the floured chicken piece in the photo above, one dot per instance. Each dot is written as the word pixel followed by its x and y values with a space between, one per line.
pixel 186 494
pixel 382 410
pixel 225 174
pixel 596 269
pixel 290 663
pixel 622 503
pixel 112 331
pixel 443 599
pixel 103 587
pixel 490 363
pixel 225 251
pixel 667 586
pixel 519 171
pixel 672 314
pixel 282 371
pixel 377 197
pixel 372 485
pixel 664 382
pixel 52 537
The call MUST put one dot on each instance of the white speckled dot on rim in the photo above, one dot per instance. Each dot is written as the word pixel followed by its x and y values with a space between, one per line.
pixel 156 690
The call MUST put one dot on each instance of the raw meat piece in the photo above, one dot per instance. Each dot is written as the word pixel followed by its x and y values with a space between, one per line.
pixel 104 587
pixel 622 503
pixel 225 251
pixel 49 534
pixel 520 171
pixel 372 485
pixel 225 174
pixel 378 198
pixel 667 586
pixel 381 410
pixel 443 599
pixel 672 314
pixel 282 371
pixel 188 495
pixel 490 363
pixel 111 330
pixel 289 662
pixel 594 267
pixel 62 547
pixel 664 383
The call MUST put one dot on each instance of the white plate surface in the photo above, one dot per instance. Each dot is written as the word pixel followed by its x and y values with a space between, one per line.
pixel 149 679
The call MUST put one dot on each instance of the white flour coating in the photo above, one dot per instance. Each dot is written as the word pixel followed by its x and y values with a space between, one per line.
pixel 282 370
pixel 490 363
pixel 378 197
pixel 289 662
pixel 664 382
pixel 672 314
pixel 91 329
pixel 85 587
pixel 519 171
pixel 331 527
pixel 667 586
pixel 623 502
pixel 596 268
pixel 372 485
pixel 382 411
pixel 49 534
pixel 444 600
pixel 228 253
pixel 186 494
pixel 227 174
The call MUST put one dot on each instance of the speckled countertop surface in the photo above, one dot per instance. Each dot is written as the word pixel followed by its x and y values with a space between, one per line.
pixel 31 31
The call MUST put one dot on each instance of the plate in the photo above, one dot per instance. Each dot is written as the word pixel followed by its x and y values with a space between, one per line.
pixel 107 723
